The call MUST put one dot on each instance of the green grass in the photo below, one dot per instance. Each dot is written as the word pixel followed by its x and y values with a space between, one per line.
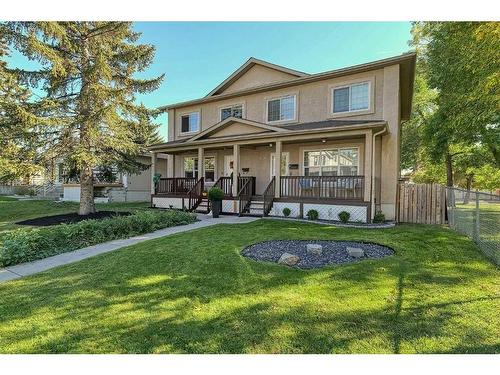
pixel 194 293
pixel 12 211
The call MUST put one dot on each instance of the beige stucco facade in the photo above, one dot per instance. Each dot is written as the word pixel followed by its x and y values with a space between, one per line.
pixel 374 132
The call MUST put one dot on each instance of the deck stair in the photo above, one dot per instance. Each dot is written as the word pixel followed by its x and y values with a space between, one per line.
pixel 204 206
pixel 256 207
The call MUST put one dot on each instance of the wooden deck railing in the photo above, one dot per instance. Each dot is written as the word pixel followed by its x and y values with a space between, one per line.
pixel 195 194
pixel 323 187
pixel 175 185
pixel 269 195
pixel 225 184
pixel 245 194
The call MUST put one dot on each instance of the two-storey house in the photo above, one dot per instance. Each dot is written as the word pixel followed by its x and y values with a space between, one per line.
pixel 273 137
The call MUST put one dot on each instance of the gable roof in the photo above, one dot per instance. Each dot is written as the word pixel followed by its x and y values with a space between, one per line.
pixel 231 120
pixel 406 62
pixel 251 62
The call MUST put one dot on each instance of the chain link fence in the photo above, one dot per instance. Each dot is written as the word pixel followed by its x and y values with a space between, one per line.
pixel 477 215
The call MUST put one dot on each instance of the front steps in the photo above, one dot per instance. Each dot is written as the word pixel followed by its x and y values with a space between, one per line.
pixel 204 206
pixel 256 207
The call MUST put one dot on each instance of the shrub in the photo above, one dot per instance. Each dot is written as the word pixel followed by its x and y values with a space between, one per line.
pixel 344 216
pixel 286 212
pixel 215 194
pixel 24 245
pixel 312 215
pixel 379 217
pixel 24 190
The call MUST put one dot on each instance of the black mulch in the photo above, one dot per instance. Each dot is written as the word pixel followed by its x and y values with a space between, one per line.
pixel 334 252
pixel 69 218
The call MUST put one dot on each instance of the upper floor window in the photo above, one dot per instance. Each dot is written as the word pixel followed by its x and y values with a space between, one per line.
pixel 190 122
pixel 351 98
pixel 232 111
pixel 281 109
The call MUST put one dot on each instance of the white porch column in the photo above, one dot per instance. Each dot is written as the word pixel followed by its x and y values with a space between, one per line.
pixel 170 166
pixel 201 164
pixel 277 168
pixel 236 168
pixel 368 154
pixel 153 171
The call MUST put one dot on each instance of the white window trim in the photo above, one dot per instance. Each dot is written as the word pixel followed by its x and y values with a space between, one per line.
pixel 243 109
pixel 330 148
pixel 194 156
pixel 181 115
pixel 295 109
pixel 357 112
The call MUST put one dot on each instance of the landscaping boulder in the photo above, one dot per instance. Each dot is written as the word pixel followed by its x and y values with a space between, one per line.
pixel 288 259
pixel 355 252
pixel 314 249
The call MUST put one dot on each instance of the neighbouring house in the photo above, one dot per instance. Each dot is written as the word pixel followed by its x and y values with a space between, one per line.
pixel 113 186
pixel 272 137
pixel 110 185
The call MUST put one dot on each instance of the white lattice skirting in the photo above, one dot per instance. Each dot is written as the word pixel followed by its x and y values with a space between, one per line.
pixel 167 202
pixel 325 211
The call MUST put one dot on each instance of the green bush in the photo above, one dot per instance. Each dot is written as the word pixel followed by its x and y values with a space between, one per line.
pixel 286 212
pixel 312 215
pixel 215 194
pixel 24 190
pixel 344 216
pixel 24 245
pixel 379 217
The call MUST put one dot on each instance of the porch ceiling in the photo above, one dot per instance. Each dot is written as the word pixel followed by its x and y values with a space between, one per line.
pixel 331 129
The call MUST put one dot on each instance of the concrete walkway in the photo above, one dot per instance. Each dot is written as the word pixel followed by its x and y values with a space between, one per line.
pixel 30 268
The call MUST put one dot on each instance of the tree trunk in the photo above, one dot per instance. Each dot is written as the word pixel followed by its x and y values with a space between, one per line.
pixel 449 170
pixel 87 205
pixel 468 178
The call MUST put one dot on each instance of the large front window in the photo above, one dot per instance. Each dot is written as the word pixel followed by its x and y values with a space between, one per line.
pixel 351 98
pixel 281 109
pixel 191 168
pixel 332 162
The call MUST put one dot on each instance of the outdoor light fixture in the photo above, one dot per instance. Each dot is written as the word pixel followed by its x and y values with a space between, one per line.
pixel 323 140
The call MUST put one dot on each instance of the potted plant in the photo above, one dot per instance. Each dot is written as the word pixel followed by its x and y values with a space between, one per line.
pixel 215 196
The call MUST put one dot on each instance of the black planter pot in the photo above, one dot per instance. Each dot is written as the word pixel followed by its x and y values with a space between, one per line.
pixel 216 208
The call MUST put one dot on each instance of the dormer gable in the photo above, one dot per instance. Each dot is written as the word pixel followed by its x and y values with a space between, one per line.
pixel 255 73
pixel 233 126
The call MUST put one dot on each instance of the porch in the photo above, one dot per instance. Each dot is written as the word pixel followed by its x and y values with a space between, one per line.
pixel 328 166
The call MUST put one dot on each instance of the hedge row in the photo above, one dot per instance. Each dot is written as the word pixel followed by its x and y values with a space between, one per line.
pixel 24 245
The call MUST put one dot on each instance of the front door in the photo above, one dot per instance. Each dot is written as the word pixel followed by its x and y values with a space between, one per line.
pixel 228 165
pixel 285 159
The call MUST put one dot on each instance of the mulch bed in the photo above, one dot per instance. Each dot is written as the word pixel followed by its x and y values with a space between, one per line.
pixel 71 218
pixel 334 252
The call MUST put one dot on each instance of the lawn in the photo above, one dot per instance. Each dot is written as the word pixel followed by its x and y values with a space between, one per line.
pixel 13 210
pixel 194 293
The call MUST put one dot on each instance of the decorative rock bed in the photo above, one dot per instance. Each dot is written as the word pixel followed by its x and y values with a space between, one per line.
pixel 325 253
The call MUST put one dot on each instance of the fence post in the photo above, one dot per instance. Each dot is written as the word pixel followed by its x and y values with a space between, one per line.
pixel 476 226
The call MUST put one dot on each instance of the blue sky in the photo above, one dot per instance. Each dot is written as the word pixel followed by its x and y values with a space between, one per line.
pixel 197 56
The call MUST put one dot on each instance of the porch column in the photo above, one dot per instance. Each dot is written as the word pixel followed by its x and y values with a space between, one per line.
pixel 277 168
pixel 170 165
pixel 201 164
pixel 368 154
pixel 236 168
pixel 153 171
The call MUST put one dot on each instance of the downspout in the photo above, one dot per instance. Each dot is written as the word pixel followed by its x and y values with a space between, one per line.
pixel 372 192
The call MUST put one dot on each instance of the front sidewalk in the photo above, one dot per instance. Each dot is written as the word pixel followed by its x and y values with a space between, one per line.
pixel 30 268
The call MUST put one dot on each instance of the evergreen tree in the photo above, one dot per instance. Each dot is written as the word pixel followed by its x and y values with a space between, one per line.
pixel 90 77
pixel 18 143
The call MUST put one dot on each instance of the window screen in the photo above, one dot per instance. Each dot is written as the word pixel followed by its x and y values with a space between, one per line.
pixel 281 109
pixel 273 110
pixel 341 100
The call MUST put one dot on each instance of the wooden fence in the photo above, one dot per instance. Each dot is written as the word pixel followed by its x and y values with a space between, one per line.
pixel 421 203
